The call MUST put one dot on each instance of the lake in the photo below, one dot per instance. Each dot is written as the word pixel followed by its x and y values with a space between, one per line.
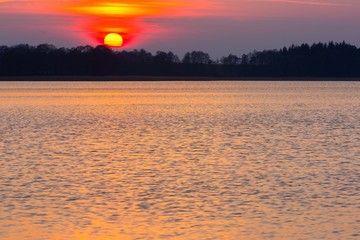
pixel 179 160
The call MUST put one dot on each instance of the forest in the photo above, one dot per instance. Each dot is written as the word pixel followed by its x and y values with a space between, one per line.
pixel 316 60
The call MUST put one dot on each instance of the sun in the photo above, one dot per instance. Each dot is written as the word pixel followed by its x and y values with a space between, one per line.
pixel 113 40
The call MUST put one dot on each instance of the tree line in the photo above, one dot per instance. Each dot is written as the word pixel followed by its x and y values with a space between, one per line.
pixel 317 60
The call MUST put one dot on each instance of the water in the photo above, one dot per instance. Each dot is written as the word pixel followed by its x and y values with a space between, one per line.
pixel 179 160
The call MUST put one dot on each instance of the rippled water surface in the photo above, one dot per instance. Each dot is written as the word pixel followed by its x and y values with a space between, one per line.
pixel 179 160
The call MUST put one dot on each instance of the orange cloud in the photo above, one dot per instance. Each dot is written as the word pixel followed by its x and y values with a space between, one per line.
pixel 128 17
pixel 123 17
pixel 123 9
pixel 138 19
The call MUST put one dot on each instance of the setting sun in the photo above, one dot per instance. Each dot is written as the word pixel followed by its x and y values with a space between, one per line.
pixel 113 40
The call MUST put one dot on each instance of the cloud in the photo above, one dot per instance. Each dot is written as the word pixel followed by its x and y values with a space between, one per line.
pixel 306 2
pixel 175 24
pixel 129 17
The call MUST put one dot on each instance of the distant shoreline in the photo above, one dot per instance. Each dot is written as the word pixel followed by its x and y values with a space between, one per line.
pixel 162 78
pixel 339 61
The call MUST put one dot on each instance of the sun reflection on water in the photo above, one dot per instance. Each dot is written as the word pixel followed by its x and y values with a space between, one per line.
pixel 199 160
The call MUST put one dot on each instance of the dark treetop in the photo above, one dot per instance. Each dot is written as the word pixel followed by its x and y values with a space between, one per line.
pixel 318 60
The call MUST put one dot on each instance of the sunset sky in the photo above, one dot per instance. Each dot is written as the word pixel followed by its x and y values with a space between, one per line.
pixel 218 27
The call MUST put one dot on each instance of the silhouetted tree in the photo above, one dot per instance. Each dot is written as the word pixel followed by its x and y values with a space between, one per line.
pixel 316 60
pixel 196 57
pixel 230 60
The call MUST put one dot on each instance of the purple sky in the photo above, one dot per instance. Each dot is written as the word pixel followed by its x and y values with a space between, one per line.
pixel 214 26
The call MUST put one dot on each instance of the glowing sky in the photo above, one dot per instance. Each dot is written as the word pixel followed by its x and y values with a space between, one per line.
pixel 215 26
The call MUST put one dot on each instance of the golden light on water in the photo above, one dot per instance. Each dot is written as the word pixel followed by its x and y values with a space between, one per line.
pixel 178 160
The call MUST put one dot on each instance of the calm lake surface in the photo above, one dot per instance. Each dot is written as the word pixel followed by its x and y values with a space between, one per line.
pixel 179 160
